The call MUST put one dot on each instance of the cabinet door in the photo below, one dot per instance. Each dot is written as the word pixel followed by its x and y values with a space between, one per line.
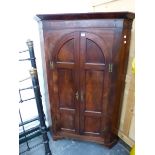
pixel 65 83
pixel 94 84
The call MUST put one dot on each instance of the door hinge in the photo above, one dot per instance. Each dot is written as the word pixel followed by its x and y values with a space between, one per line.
pixel 51 65
pixel 110 67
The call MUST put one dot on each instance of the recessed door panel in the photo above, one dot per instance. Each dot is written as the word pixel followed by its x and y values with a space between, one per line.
pixel 66 88
pixel 94 90
pixel 91 56
pixel 66 53
pixel 67 120
pixel 92 125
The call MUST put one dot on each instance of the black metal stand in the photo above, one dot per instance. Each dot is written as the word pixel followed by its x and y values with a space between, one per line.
pixel 36 88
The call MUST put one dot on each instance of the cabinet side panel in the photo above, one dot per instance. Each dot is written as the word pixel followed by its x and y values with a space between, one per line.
pixel 123 36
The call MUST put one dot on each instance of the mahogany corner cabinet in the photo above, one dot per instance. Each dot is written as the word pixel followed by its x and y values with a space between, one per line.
pixel 85 57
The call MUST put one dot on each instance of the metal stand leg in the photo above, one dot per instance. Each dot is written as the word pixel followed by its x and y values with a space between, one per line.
pixel 36 88
pixel 28 148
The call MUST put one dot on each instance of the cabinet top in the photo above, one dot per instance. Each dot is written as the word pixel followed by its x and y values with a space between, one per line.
pixel 92 15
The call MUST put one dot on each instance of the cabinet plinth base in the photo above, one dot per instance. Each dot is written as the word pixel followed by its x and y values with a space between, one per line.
pixel 99 140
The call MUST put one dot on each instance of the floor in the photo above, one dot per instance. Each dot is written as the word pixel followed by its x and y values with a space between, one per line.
pixel 72 147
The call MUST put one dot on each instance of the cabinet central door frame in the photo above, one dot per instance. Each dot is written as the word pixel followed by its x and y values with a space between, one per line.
pixel 76 114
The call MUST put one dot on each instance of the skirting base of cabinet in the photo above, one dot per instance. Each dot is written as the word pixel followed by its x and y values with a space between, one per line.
pixel 99 140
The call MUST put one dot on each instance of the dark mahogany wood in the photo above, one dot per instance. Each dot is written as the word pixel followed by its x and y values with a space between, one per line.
pixel 85 60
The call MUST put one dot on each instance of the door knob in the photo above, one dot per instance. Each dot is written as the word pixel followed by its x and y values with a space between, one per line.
pixel 77 95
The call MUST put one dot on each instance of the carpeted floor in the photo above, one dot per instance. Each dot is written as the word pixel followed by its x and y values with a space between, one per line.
pixel 72 147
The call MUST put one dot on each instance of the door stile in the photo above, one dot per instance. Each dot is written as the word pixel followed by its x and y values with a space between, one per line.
pixel 106 118
pixel 77 85
pixel 82 37
pixel 55 102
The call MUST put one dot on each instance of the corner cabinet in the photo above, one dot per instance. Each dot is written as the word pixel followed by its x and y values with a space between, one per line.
pixel 85 58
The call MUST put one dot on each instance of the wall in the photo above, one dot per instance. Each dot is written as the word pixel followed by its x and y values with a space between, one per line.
pixel 113 5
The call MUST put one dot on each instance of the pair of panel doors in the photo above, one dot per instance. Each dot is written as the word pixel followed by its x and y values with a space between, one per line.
pixel 81 83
